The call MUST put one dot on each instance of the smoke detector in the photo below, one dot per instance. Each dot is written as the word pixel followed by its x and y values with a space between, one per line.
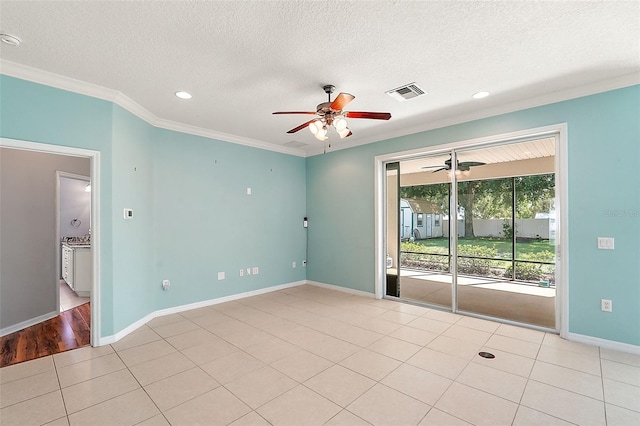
pixel 406 92
pixel 9 39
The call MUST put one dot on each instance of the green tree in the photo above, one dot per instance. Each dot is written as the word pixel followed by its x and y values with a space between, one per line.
pixel 491 198
pixel 467 193
pixel 534 194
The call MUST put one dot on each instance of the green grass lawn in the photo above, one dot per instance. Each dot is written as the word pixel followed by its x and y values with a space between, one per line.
pixel 541 250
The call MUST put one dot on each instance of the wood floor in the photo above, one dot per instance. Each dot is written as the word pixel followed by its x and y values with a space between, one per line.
pixel 69 330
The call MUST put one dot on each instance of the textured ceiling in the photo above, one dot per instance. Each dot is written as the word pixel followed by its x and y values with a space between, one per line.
pixel 242 60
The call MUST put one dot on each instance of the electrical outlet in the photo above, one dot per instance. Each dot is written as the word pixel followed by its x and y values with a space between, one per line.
pixel 242 272
pixel 166 284
pixel 606 305
pixel 255 270
pixel 304 263
pixel 293 264
pixel 606 243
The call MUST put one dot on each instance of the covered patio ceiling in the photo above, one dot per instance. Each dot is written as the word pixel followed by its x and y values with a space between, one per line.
pixel 516 159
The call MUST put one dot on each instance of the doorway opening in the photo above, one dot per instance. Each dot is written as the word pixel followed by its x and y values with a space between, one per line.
pixel 481 237
pixel 73 219
pixel 49 307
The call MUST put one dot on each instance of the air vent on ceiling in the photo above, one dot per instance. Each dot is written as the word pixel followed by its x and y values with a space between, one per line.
pixel 295 144
pixel 408 91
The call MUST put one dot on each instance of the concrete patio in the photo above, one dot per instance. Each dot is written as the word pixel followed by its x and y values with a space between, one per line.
pixel 511 300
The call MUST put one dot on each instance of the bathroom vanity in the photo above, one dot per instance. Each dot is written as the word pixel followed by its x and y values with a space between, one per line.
pixel 76 268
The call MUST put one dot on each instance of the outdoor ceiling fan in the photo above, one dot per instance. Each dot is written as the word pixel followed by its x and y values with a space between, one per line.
pixel 332 114
pixel 463 166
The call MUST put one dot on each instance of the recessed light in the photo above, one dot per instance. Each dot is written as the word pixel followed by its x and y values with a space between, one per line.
pixel 9 39
pixel 183 95
pixel 480 95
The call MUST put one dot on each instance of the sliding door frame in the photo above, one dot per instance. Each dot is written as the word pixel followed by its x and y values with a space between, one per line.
pixel 562 277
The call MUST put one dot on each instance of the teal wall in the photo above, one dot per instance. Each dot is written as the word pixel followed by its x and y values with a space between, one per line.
pixel 132 180
pixel 604 200
pixel 192 217
pixel 206 223
pixel 38 113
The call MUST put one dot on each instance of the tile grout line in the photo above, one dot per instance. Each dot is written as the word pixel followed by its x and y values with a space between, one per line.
pixel 604 397
pixel 360 348
pixel 141 387
pixel 64 403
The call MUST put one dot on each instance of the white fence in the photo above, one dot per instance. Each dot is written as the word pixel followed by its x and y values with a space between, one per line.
pixel 526 228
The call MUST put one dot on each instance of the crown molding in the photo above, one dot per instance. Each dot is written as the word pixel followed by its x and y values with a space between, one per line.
pixel 58 81
pixel 226 137
pixel 620 82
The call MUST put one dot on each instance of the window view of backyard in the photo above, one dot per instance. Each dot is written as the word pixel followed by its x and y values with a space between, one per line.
pixel 487 246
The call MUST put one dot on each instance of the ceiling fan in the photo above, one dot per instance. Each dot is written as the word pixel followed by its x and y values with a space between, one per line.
pixel 332 114
pixel 463 166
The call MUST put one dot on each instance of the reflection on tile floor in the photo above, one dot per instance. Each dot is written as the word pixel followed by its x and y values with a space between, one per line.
pixel 310 356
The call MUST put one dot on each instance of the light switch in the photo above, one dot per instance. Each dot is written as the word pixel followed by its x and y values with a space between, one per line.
pixel 248 191
pixel 605 243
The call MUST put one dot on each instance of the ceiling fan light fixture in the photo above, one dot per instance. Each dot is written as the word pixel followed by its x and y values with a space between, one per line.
pixel 315 127
pixel 332 114
pixel 339 123
pixel 343 133
pixel 321 134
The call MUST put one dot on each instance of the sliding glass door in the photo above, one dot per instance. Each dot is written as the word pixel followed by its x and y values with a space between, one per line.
pixel 425 250
pixel 500 202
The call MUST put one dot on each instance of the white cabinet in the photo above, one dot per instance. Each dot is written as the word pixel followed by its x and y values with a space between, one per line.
pixel 76 268
pixel 67 265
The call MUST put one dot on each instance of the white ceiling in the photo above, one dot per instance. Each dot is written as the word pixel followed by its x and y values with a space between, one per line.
pixel 242 60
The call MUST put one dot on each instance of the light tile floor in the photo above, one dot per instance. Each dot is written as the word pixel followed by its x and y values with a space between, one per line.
pixel 311 356
pixel 68 298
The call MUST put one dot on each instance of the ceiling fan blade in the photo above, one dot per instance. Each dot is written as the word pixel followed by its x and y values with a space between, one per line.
pixel 440 169
pixel 341 101
pixel 302 126
pixel 294 112
pixel 366 114
pixel 430 167
pixel 470 164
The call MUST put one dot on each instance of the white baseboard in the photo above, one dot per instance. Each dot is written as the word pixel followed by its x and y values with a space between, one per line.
pixel 27 323
pixel 604 343
pixel 342 289
pixel 107 340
